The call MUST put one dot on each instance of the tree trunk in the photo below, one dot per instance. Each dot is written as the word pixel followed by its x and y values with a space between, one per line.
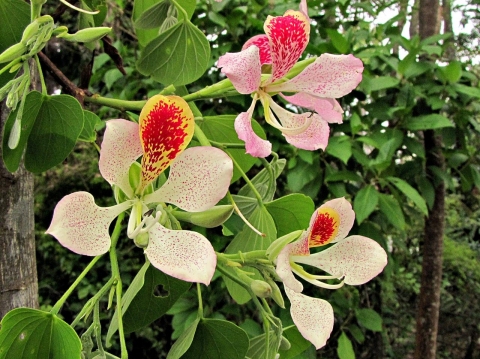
pixel 432 248
pixel 450 52
pixel 18 268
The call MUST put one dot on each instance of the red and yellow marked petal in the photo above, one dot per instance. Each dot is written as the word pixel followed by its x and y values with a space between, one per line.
pixel 324 227
pixel 166 128
pixel 288 35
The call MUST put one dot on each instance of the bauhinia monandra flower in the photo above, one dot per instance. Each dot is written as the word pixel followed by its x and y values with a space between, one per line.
pixel 198 178
pixel 315 88
pixel 354 260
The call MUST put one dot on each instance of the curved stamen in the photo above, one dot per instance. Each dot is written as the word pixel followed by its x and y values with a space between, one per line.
pixel 79 9
pixel 313 279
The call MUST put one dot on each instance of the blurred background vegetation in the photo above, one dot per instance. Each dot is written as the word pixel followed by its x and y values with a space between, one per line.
pixel 373 159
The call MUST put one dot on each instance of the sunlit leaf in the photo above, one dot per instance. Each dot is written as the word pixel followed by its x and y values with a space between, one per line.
pixel 365 202
pixel 345 348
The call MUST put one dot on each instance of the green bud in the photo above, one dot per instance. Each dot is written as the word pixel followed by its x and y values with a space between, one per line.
pixel 59 30
pixel 119 195
pixel 167 24
pixel 260 288
pixel 44 19
pixel 210 218
pixel 30 31
pixel 285 344
pixel 86 35
pixel 14 137
pixel 276 293
pixel 142 240
pixel 135 175
pixel 276 247
pixel 15 67
pixel 12 53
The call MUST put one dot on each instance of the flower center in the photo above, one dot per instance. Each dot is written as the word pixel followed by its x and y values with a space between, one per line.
pixel 324 227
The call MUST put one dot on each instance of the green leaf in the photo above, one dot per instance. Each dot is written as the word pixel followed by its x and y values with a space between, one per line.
pixel 392 210
pixel 343 176
pixel 379 83
pixel 148 305
pixel 356 333
pixel 127 299
pixel 221 129
pixel 139 7
pixel 338 41
pixel 40 334
pixel 257 346
pixel 90 120
pixel 55 132
pixel 188 6
pixel 345 348
pixel 340 147
pixel 178 56
pixel 154 16
pixel 12 158
pixel 291 212
pixel 369 319
pixel 298 342
pixel 184 341
pixel 467 90
pixel 14 17
pixel 410 192
pixel 365 202
pixel 427 122
pixel 452 72
pixel 218 339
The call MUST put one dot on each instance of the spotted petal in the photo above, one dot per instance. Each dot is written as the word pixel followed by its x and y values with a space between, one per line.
pixel 185 255
pixel 312 316
pixel 283 264
pixel 330 76
pixel 82 226
pixel 166 128
pixel 263 44
pixel 243 69
pixel 198 179
pixel 331 222
pixel 311 137
pixel 254 145
pixel 288 35
pixel 120 148
pixel 328 108
pixel 357 258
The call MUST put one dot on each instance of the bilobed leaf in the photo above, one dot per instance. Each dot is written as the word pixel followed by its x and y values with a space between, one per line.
pixel 427 122
pixel 178 56
pixel 184 341
pixel 291 212
pixel 127 298
pixel 90 121
pixel 154 16
pixel 365 202
pixel 298 343
pixel 218 339
pixel 345 348
pixel 139 7
pixel 56 129
pixel 410 192
pixel 148 306
pixel 369 319
pixel 40 334
pixel 33 103
pixel 221 129
pixel 390 207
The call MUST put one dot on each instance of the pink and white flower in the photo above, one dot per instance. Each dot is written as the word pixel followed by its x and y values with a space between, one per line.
pixel 199 177
pixel 315 88
pixel 354 259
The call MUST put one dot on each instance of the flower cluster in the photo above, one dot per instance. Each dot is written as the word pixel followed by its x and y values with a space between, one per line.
pixel 199 177
pixel 315 88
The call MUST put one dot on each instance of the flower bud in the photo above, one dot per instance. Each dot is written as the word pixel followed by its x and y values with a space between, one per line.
pixel 260 288
pixel 13 52
pixel 141 240
pixel 276 293
pixel 30 31
pixel 134 175
pixel 210 218
pixel 86 35
pixel 285 344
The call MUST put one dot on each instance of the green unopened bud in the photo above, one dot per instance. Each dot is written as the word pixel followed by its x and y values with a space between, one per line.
pixel 167 24
pixel 142 240
pixel 15 67
pixel 210 218
pixel 13 52
pixel 285 344
pixel 276 247
pixel 276 293
pixel 86 35
pixel 119 195
pixel 260 288
pixel 59 30
pixel 135 175
pixel 30 31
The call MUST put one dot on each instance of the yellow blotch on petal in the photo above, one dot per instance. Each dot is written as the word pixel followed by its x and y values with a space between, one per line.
pixel 324 227
pixel 166 129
